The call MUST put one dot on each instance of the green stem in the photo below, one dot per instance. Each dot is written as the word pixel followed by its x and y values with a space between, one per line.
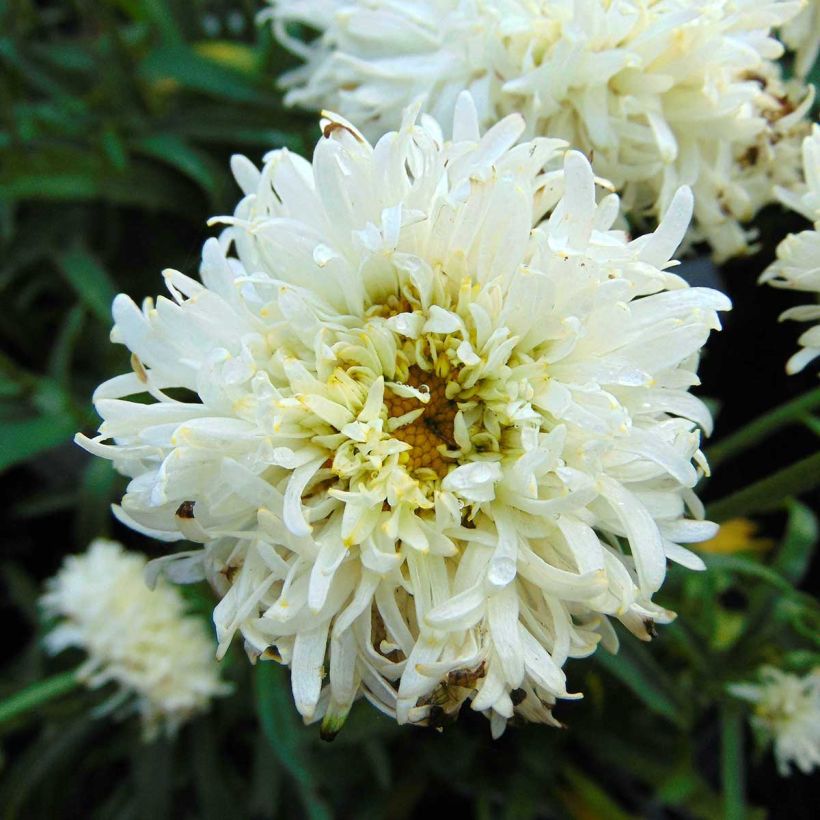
pixel 732 763
pixel 791 412
pixel 37 694
pixel 770 492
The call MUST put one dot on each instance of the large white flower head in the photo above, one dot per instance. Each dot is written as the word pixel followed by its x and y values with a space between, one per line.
pixel 662 93
pixel 797 266
pixel 436 441
pixel 161 659
pixel 787 712
pixel 802 35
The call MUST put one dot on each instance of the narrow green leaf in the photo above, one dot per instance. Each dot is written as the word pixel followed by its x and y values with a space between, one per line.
pixel 152 772
pixel 59 359
pixel 171 149
pixel 37 694
pixel 733 765
pixel 639 672
pixel 793 558
pixel 762 427
pixel 588 799
pixel 190 70
pixel 26 438
pixel 276 714
pixel 769 493
pixel 90 282
pixel 93 503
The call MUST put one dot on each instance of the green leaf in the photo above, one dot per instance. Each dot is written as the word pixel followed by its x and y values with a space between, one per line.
pixel 23 439
pixel 37 694
pixel 276 714
pixel 90 282
pixel 795 554
pixel 639 672
pixel 761 428
pixel 94 501
pixel 733 766
pixel 190 70
pixel 769 493
pixel 171 149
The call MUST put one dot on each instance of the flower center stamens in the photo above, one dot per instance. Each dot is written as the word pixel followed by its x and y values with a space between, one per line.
pixel 430 432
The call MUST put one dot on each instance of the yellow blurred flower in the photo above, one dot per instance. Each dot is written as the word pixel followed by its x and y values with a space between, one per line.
pixel 736 535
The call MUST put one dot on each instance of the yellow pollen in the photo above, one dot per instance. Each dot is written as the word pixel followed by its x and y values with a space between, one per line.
pixel 432 429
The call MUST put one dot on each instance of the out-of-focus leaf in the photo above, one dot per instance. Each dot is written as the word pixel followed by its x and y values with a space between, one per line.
pixel 152 768
pixel 793 558
pixel 275 710
pixel 732 763
pixel 237 56
pixel 215 801
pixel 23 439
pixel 59 360
pixel 90 282
pixel 36 694
pixel 184 66
pixel 114 149
pixel 636 669
pixel 585 799
pixel 94 501
pixel 771 492
pixel 172 150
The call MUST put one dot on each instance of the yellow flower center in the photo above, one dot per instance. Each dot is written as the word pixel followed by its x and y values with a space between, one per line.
pixel 432 431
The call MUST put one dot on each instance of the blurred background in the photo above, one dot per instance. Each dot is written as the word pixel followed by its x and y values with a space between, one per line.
pixel 117 121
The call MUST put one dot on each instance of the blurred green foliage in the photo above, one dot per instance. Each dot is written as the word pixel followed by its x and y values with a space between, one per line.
pixel 117 120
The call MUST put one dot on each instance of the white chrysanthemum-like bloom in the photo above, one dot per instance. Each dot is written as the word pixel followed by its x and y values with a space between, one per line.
pixel 433 442
pixel 787 712
pixel 797 266
pixel 660 93
pixel 802 35
pixel 161 659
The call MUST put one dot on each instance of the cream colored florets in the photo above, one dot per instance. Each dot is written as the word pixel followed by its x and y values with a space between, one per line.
pixel 786 713
pixel 797 266
pixel 658 93
pixel 141 640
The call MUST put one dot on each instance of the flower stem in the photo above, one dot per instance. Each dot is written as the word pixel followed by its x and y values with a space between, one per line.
pixel 770 492
pixel 37 694
pixel 732 763
pixel 762 427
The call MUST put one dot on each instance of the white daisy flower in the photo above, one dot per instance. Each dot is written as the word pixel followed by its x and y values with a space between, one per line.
pixel 661 93
pixel 802 35
pixel 786 712
pixel 797 266
pixel 161 659
pixel 431 440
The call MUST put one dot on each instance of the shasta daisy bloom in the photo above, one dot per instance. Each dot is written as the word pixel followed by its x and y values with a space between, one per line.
pixel 787 713
pixel 662 93
pixel 797 266
pixel 434 440
pixel 161 659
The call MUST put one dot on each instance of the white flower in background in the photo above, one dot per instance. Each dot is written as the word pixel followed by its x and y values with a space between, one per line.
pixel 161 659
pixel 787 712
pixel 797 266
pixel 660 93
pixel 432 442
pixel 802 35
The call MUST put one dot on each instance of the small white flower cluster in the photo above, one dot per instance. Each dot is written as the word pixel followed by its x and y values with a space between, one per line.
pixel 161 659
pixel 658 93
pixel 797 266
pixel 442 429
pixel 787 712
